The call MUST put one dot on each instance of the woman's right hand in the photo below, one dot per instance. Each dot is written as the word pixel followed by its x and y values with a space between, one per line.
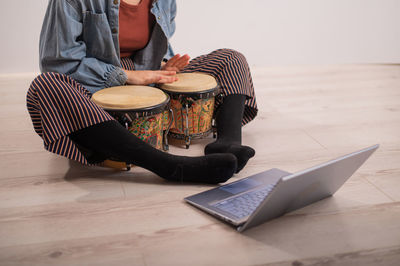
pixel 146 77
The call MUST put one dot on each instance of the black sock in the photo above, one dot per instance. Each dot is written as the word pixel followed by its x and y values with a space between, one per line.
pixel 229 130
pixel 111 140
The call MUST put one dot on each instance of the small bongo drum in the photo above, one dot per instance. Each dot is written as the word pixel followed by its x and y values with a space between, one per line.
pixel 141 109
pixel 192 103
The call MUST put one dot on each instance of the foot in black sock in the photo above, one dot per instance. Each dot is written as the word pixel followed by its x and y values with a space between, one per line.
pixel 212 169
pixel 242 153
pixel 229 118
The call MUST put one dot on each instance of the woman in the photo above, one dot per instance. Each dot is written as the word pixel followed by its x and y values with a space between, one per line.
pixel 88 45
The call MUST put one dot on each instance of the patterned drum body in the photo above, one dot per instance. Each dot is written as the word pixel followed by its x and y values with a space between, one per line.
pixel 192 104
pixel 150 129
pixel 199 114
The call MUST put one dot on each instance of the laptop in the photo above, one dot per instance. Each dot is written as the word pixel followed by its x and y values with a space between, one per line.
pixel 264 196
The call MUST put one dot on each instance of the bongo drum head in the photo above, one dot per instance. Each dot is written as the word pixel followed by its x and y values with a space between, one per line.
pixel 191 83
pixel 130 98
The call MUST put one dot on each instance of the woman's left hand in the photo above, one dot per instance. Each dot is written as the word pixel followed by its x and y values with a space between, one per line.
pixel 176 63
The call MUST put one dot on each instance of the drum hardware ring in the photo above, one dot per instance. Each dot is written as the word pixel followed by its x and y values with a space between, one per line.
pixel 192 137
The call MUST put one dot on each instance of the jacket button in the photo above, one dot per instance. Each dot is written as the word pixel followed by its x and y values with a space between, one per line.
pixel 115 2
pixel 114 30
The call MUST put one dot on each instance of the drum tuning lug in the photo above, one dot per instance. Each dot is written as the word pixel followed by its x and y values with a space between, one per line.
pixel 187 141
pixel 165 145
pixel 214 128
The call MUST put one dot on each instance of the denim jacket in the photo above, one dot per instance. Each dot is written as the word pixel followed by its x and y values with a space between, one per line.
pixel 79 38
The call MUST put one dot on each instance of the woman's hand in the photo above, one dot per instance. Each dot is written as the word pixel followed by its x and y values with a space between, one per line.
pixel 146 77
pixel 176 63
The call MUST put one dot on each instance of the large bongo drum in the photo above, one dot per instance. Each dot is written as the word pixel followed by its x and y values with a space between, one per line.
pixel 141 109
pixel 192 103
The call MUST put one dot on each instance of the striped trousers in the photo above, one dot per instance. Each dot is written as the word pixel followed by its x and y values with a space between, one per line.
pixel 58 105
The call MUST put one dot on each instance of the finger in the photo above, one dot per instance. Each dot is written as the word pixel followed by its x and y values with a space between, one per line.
pixel 168 79
pixel 183 61
pixel 166 72
pixel 156 78
pixel 175 69
pixel 183 64
pixel 173 60
pixel 186 57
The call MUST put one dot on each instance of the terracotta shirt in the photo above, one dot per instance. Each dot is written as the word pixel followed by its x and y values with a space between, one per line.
pixel 135 26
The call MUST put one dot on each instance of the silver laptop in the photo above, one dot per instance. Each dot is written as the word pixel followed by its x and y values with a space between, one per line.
pixel 264 196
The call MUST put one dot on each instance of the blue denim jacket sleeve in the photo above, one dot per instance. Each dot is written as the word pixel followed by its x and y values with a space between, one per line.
pixel 170 52
pixel 62 49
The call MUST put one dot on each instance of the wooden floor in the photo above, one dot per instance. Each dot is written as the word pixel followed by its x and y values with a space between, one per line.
pixel 56 212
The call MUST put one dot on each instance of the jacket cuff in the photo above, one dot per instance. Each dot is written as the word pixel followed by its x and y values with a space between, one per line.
pixel 117 77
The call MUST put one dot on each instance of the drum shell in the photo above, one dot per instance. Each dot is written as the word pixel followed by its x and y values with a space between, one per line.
pixel 149 125
pixel 192 102
pixel 143 118
pixel 199 113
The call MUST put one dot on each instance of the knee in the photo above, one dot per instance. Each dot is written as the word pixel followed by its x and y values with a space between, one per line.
pixel 232 55
pixel 38 85
pixel 48 77
pixel 45 81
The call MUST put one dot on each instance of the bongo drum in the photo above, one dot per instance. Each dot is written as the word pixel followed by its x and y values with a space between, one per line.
pixel 192 104
pixel 141 109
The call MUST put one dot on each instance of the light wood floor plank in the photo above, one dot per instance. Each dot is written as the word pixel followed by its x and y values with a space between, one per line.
pixel 291 238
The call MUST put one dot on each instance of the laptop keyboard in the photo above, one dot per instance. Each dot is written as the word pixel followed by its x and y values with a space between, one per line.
pixel 244 204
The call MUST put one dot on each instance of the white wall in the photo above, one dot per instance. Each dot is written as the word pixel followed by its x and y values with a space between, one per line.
pixel 268 32
pixel 20 23
pixel 271 32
